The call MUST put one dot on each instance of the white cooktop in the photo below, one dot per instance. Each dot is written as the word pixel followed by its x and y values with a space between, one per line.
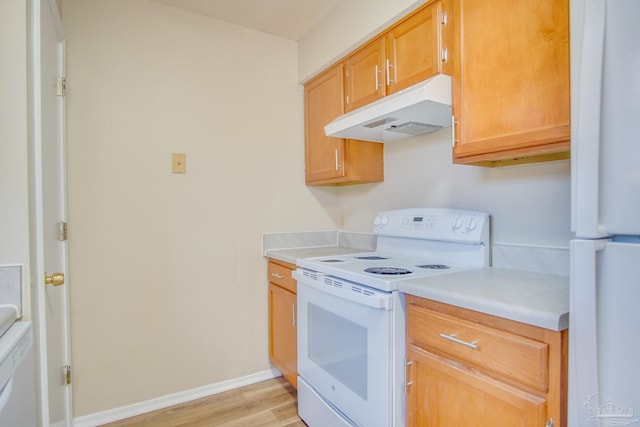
pixel 354 267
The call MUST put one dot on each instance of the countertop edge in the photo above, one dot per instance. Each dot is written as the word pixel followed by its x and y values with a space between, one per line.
pixel 531 298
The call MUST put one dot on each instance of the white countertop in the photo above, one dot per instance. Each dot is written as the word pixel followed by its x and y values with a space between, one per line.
pixel 290 255
pixel 533 298
pixel 8 315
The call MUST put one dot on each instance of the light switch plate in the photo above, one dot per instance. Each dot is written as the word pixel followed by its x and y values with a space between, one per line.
pixel 179 163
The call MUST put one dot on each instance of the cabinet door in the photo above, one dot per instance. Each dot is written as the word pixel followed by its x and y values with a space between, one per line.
pixel 413 49
pixel 511 79
pixel 324 156
pixel 283 351
pixel 334 160
pixel 442 393
pixel 364 75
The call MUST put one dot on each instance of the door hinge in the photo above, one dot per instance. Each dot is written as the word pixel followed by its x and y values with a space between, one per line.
pixel 62 231
pixel 67 374
pixel 61 86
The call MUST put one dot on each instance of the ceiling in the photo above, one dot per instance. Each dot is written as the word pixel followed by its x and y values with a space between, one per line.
pixel 289 19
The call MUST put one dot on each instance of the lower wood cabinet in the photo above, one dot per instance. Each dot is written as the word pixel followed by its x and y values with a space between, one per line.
pixel 283 352
pixel 470 369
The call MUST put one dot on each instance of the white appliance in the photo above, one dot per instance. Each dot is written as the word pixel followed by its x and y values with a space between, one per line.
pixel 421 108
pixel 604 344
pixel 17 386
pixel 351 346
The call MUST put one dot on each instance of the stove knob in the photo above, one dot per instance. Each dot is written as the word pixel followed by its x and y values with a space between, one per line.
pixel 472 224
pixel 384 220
pixel 376 220
pixel 456 224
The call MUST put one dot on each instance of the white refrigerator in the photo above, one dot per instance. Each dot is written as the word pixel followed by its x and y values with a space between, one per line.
pixel 604 325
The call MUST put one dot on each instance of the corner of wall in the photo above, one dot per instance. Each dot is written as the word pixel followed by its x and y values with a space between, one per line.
pixel 323 45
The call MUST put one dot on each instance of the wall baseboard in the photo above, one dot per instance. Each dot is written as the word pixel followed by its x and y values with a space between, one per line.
pixel 162 402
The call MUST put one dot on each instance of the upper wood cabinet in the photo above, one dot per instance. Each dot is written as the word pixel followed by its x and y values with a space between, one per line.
pixel 511 81
pixel 417 47
pixel 411 51
pixel 335 160
pixel 365 79
pixel 323 103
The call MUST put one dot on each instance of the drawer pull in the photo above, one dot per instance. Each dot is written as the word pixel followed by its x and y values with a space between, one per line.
pixel 278 276
pixel 453 338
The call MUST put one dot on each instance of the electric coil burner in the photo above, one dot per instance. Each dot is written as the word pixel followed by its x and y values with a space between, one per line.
pixel 388 270
pixel 434 266
pixel 350 316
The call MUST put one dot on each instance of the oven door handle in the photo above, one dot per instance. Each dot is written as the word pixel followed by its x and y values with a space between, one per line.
pixel 374 299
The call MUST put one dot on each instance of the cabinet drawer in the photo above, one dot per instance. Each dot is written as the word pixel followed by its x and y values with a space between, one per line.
pixel 281 276
pixel 484 348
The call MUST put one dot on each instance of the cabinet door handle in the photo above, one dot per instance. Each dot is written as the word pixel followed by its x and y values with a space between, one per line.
pixel 444 55
pixel 389 67
pixel 453 131
pixel 377 82
pixel 277 276
pixel 337 160
pixel 407 382
pixel 452 337
pixel 293 314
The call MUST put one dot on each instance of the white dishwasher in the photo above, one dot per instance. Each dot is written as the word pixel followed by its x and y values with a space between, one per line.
pixel 17 387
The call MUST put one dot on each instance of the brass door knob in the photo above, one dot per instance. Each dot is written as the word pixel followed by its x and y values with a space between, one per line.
pixel 56 279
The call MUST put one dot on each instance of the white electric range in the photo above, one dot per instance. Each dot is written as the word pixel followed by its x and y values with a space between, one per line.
pixel 351 316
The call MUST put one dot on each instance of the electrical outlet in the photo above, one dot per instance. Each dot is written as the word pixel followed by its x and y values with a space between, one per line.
pixel 179 163
pixel 342 220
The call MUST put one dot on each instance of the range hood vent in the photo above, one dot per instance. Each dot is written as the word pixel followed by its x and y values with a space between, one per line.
pixel 422 108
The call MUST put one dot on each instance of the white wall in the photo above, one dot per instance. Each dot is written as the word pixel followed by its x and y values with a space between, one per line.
pixel 167 279
pixel 14 214
pixel 529 204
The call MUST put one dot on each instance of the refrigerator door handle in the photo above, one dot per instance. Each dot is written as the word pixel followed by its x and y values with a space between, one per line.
pixel 586 132
pixel 583 342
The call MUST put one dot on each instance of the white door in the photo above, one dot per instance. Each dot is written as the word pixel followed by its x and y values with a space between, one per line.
pixel 49 246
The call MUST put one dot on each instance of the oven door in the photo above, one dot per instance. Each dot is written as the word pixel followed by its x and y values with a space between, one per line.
pixel 344 350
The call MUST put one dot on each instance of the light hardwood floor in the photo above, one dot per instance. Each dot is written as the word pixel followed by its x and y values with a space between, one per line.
pixel 269 403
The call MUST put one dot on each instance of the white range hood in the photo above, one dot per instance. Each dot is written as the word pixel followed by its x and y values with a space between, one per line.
pixel 421 108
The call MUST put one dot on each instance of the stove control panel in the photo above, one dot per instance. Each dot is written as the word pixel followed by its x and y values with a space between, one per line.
pixel 453 225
